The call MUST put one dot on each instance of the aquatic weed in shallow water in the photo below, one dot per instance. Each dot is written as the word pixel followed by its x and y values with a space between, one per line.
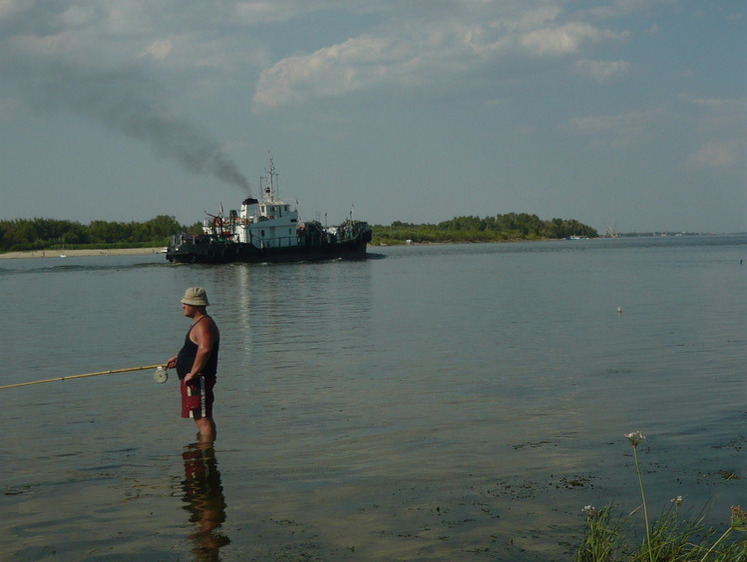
pixel 603 539
pixel 670 538
pixel 635 438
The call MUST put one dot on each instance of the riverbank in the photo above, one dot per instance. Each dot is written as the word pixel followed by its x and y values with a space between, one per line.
pixel 81 253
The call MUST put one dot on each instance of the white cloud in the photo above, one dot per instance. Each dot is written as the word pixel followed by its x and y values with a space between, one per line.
pixel 615 130
pixel 717 117
pixel 9 8
pixel 404 45
pixel 265 12
pixel 717 154
pixel 159 49
pixel 566 39
pixel 606 123
pixel 186 52
pixel 330 71
pixel 76 16
pixel 717 103
pixel 602 70
pixel 622 8
pixel 427 50
pixel 171 35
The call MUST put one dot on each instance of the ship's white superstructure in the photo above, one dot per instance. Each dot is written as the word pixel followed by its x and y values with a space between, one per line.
pixel 269 223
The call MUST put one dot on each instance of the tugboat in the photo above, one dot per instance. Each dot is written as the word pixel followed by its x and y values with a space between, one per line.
pixel 269 231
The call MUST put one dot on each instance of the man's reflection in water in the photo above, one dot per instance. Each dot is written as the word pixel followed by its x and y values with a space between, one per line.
pixel 203 498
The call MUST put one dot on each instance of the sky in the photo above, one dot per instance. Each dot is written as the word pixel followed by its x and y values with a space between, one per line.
pixel 625 114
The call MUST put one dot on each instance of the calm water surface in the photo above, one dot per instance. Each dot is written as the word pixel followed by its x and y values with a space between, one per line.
pixel 435 402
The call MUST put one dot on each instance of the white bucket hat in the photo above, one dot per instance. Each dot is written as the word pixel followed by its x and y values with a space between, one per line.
pixel 195 296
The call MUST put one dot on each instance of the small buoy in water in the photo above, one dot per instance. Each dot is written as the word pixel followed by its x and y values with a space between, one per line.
pixel 161 376
pixel 619 310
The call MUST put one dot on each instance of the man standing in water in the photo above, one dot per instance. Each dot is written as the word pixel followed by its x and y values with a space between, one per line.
pixel 197 363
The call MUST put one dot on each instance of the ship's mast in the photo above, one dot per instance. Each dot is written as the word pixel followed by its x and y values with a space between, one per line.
pixel 269 189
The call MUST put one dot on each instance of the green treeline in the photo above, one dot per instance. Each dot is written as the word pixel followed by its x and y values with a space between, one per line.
pixel 23 235
pixel 511 226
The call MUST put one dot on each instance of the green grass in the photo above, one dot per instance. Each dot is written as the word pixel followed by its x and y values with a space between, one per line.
pixel 609 533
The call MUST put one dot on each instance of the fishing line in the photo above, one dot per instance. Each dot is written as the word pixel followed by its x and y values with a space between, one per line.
pixel 160 376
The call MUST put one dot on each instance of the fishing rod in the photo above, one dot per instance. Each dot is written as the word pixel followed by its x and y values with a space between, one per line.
pixel 160 375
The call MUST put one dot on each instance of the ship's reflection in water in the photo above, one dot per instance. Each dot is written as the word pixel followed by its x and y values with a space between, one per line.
pixel 203 499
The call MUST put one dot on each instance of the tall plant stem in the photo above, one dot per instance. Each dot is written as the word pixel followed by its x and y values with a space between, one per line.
pixel 722 537
pixel 645 509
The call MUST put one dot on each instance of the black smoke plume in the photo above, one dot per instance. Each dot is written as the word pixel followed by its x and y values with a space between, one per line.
pixel 126 101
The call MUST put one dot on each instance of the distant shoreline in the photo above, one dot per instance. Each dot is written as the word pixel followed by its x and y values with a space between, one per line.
pixel 81 253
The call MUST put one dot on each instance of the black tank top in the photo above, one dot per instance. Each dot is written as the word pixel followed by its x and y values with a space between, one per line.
pixel 186 357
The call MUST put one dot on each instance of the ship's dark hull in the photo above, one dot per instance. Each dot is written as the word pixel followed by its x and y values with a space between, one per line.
pixel 215 250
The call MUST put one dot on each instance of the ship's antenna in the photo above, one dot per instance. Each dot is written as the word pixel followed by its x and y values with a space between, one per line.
pixel 270 189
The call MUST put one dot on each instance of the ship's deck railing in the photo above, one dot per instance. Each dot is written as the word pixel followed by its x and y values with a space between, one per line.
pixel 277 242
pixel 318 238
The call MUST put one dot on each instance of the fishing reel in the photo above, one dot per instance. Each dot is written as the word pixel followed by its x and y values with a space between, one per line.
pixel 160 376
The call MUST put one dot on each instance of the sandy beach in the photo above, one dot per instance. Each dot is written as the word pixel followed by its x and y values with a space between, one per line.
pixel 80 253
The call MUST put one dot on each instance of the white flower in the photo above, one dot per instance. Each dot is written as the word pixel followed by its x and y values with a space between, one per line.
pixel 589 510
pixel 677 501
pixel 635 437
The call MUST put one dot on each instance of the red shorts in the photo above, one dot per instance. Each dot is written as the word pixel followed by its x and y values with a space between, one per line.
pixel 197 398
